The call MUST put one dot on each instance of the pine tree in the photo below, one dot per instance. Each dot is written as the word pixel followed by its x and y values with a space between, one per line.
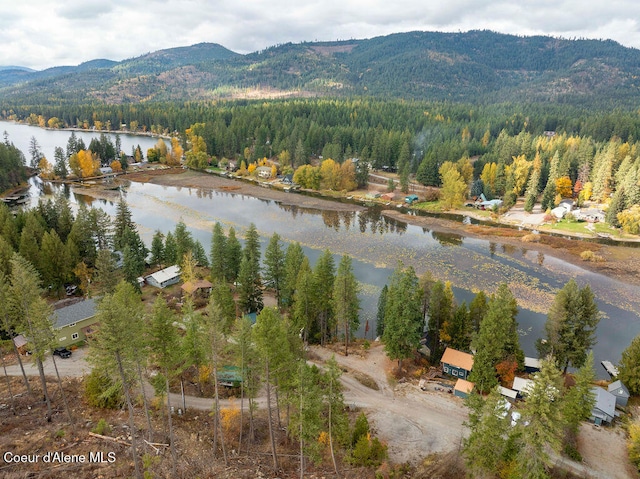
pixel 629 367
pixel 121 222
pixel 157 249
pixel 170 249
pixel 233 256
pixel 497 340
pixel 346 303
pixel 403 316
pixel 541 424
pixel 292 261
pixel 164 345
pixel 218 254
pixel 382 307
pixel 303 301
pixel 571 326
pixel 324 275
pixel 274 266
pixel 250 288
pixel 441 309
pixel 578 401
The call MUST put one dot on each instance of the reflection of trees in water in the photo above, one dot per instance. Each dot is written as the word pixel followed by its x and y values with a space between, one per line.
pixel 508 249
pixel 540 258
pixel 492 248
pixel 447 239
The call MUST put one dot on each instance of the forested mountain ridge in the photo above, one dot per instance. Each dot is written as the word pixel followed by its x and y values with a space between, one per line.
pixel 471 66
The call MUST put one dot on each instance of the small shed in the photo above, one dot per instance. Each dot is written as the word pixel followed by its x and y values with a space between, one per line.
pixel 509 393
pixel 532 365
pixel 411 199
pixel 620 391
pixel 463 388
pixel 605 407
pixel 522 386
pixel 21 343
pixel 388 196
pixel 199 287
pixel 164 277
pixel 457 363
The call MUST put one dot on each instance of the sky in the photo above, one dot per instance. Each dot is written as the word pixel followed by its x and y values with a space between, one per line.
pixel 43 33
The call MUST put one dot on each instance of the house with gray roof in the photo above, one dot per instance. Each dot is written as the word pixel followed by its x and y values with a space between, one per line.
pixel 604 409
pixel 74 323
pixel 620 391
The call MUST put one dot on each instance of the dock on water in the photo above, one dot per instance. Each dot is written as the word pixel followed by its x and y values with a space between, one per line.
pixel 610 368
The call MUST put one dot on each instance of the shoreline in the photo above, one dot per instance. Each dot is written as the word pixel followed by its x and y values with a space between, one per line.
pixel 620 262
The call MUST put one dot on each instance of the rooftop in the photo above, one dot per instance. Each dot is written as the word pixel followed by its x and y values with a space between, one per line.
pixel 74 313
pixel 458 359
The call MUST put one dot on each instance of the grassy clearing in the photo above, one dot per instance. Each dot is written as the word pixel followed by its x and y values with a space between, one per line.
pixel 365 380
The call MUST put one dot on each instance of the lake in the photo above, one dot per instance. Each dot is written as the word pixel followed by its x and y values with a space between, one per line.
pixel 377 244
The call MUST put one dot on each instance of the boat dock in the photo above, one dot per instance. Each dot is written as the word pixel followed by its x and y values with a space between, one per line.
pixel 610 368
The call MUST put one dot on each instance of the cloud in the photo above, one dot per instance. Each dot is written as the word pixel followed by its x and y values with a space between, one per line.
pixel 45 33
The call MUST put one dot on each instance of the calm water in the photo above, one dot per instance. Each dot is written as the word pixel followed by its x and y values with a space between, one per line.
pixel 377 244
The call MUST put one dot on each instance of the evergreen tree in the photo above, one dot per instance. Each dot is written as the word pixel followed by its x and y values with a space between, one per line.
pixel 218 253
pixel 222 297
pixel 292 260
pixel 477 311
pixel 497 340
pixel 382 307
pixel 571 326
pixel 199 254
pixel 157 249
pixel 184 240
pixel 121 222
pixel 113 347
pixel 106 275
pixel 441 309
pixel 323 279
pixel 166 353
pixel 170 249
pixel 616 206
pixel 346 303
pixel 55 261
pixel 629 367
pixel 403 315
pixel 274 266
pixel 541 424
pixel 578 401
pixel 303 301
pixel 487 443
pixel 233 256
pixel 60 167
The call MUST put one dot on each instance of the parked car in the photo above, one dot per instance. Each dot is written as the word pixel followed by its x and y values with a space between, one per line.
pixel 64 353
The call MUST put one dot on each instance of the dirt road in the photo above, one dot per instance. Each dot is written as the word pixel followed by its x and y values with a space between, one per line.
pixel 414 423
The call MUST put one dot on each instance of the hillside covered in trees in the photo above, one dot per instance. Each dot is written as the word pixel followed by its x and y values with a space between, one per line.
pixel 472 66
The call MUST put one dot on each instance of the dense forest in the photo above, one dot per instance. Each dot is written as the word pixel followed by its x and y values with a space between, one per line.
pixel 12 170
pixel 472 66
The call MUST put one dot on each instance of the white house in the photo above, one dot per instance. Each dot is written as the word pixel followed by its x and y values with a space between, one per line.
pixel 164 277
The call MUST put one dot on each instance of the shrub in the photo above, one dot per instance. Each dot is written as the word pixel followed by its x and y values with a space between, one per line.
pixel 100 391
pixel 589 255
pixel 432 194
pixel 102 428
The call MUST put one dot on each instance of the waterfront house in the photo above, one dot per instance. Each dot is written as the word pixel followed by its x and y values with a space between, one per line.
pixel 620 391
pixel 456 363
pixel 164 277
pixel 605 407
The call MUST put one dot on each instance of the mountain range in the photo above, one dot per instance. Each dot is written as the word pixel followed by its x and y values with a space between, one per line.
pixel 476 66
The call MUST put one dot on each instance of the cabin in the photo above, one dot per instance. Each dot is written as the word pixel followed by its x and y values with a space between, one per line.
pixel 463 388
pixel 604 409
pixel 508 393
pixel 620 391
pixel 388 197
pixel 164 277
pixel 75 323
pixel 456 363
pixel 263 172
pixel 198 287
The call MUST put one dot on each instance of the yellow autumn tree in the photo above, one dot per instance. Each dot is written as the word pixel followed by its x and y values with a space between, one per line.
pixel 88 163
pixel 116 166
pixel 348 176
pixel 46 170
pixel 564 188
pixel 330 175
pixel 252 168
pixel 274 171
pixel 174 157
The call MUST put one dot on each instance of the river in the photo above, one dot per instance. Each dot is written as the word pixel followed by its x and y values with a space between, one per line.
pixel 377 244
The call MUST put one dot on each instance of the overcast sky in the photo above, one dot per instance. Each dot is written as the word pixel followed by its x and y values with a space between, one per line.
pixel 44 33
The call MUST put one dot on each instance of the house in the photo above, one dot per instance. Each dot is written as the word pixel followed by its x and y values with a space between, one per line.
pixel 263 171
pixel 74 323
pixel 490 204
pixel 592 215
pixel 388 196
pixel 463 388
pixel 199 287
pixel 522 386
pixel 532 365
pixel 605 407
pixel 620 391
pixel 164 277
pixel 457 363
